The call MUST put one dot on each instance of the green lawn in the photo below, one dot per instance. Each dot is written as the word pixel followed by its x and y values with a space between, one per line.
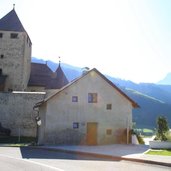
pixel 147 130
pixel 160 152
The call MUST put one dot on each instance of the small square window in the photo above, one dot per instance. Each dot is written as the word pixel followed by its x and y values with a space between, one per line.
pixel 109 106
pixel 109 132
pixel 14 35
pixel 92 97
pixel 1 35
pixel 2 56
pixel 74 98
pixel 75 125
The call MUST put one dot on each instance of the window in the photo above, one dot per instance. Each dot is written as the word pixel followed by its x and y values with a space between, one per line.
pixel 75 125
pixel 92 97
pixel 74 98
pixel 109 132
pixel 109 106
pixel 2 56
pixel 14 35
pixel 0 71
pixel 1 35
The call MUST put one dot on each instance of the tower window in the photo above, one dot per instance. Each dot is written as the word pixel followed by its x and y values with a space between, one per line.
pixel 1 35
pixel 0 71
pixel 2 56
pixel 14 35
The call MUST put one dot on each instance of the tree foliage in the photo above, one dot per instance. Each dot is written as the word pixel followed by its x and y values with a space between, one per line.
pixel 162 128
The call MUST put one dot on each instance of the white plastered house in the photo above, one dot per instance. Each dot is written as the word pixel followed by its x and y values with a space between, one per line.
pixel 89 110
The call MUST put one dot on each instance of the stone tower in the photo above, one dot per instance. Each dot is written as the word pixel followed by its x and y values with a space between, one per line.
pixel 15 54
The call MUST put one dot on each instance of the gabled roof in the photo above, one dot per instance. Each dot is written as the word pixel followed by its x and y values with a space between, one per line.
pixel 134 104
pixel 58 79
pixel 11 22
pixel 40 75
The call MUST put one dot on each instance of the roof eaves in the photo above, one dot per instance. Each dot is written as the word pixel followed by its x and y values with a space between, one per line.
pixel 134 104
pixel 63 88
pixel 38 104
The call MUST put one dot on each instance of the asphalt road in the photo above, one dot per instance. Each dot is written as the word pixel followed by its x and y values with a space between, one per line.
pixel 28 159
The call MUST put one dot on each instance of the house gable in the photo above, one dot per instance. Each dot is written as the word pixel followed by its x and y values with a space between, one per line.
pixel 92 74
pixel 70 111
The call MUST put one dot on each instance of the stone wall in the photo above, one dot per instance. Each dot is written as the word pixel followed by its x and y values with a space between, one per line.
pixel 16 112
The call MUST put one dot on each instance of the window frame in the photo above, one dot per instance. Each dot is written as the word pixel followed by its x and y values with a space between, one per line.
pixel 75 125
pixel 14 35
pixel 109 106
pixel 92 97
pixel 74 99
pixel 108 131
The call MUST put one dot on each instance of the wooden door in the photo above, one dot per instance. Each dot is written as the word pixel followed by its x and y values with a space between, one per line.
pixel 91 133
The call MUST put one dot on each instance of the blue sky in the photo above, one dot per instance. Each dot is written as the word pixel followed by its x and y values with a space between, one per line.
pixel 128 39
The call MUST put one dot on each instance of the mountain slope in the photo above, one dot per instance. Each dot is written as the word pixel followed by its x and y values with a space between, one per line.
pixel 70 71
pixel 166 80
pixel 161 92
pixel 154 100
pixel 150 109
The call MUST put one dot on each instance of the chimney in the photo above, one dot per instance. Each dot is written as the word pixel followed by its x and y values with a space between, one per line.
pixel 85 70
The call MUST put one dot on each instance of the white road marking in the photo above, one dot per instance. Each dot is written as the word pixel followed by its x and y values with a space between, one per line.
pixel 41 164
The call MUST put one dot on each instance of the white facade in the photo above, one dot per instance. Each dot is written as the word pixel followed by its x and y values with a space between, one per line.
pixel 68 122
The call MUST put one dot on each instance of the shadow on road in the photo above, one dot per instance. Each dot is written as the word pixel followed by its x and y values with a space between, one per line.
pixel 32 153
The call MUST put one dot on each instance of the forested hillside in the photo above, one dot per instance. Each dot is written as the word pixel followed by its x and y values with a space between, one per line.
pixel 154 99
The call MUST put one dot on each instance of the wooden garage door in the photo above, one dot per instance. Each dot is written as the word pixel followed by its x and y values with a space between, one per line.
pixel 91 133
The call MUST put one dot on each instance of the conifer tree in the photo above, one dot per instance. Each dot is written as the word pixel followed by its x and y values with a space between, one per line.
pixel 162 128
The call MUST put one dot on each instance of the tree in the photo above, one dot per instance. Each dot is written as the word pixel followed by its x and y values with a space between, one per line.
pixel 162 128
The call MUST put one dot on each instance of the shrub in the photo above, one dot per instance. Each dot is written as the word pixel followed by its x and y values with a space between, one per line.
pixel 162 128
pixel 168 135
pixel 140 139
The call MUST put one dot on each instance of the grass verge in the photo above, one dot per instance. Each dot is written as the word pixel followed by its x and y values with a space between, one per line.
pixel 160 152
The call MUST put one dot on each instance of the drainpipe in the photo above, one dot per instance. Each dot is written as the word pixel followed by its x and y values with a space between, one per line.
pixel 127 131
pixel 38 124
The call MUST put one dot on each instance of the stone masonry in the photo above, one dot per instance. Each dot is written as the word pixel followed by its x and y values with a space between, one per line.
pixel 17 114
